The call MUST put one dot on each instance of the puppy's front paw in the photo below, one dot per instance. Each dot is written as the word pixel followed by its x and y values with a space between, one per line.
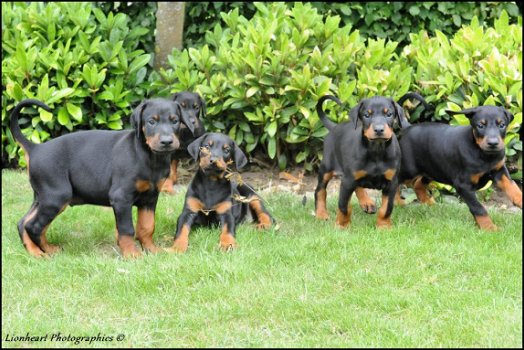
pixel 179 246
pixel 227 242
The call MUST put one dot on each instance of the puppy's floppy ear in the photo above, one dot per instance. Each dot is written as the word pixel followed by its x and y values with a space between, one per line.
pixel 354 114
pixel 240 158
pixel 401 116
pixel 194 147
pixel 509 116
pixel 467 112
pixel 136 118
pixel 175 96
pixel 203 110
pixel 179 112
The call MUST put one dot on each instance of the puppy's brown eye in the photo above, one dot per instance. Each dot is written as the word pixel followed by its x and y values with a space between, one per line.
pixel 151 122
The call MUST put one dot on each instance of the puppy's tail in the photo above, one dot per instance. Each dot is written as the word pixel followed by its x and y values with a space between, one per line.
pixel 417 97
pixel 15 128
pixel 323 117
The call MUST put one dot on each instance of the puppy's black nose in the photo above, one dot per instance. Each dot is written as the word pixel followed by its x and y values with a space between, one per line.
pixel 379 129
pixel 493 142
pixel 166 140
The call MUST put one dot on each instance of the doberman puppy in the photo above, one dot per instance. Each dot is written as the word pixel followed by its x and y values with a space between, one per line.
pixel 212 198
pixel 102 167
pixel 193 108
pixel 365 202
pixel 367 154
pixel 465 157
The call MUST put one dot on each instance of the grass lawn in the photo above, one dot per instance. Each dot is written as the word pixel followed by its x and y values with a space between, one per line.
pixel 434 280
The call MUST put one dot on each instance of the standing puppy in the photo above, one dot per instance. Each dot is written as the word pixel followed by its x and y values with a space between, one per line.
pixel 366 151
pixel 120 169
pixel 465 157
pixel 193 108
pixel 212 198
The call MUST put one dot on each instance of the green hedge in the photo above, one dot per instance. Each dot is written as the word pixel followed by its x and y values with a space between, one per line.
pixel 393 20
pixel 476 66
pixel 76 59
pixel 262 77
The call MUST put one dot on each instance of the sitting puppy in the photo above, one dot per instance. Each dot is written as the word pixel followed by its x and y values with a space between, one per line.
pixel 110 168
pixel 212 198
pixel 193 108
pixel 465 157
pixel 367 154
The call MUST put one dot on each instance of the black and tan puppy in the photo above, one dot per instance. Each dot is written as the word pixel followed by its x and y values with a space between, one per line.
pixel 365 151
pixel 465 157
pixel 120 169
pixel 193 108
pixel 212 198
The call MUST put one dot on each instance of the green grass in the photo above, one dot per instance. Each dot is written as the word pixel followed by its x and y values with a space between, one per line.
pixel 434 280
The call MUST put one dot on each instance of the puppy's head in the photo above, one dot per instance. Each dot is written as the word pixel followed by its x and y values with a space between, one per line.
pixel 158 122
pixel 215 152
pixel 489 125
pixel 193 108
pixel 378 116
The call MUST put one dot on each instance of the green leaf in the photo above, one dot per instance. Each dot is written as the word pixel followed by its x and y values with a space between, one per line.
pixel 320 133
pixel 252 117
pixel 74 111
pixel 490 101
pixel 139 62
pixel 63 116
pixel 272 148
pixel 414 10
pixel 60 94
pixel 272 129
pixel 45 115
pixel 301 156
pixel 251 91
pixel 115 125
pixel 282 161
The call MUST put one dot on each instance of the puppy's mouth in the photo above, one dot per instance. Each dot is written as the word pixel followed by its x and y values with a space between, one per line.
pixel 164 149
pixel 379 138
pixel 492 149
pixel 490 146
pixel 157 145
pixel 215 168
pixel 383 135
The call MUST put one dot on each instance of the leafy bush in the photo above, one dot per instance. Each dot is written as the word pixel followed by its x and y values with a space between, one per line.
pixel 393 20
pixel 396 20
pixel 74 58
pixel 262 77
pixel 477 66
pixel 203 16
pixel 140 14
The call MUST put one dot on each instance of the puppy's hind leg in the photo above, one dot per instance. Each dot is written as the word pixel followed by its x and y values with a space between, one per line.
pixel 34 225
pixel 324 176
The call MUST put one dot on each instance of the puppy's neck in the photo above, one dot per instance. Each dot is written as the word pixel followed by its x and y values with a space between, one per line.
pixel 153 159
pixel 376 146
